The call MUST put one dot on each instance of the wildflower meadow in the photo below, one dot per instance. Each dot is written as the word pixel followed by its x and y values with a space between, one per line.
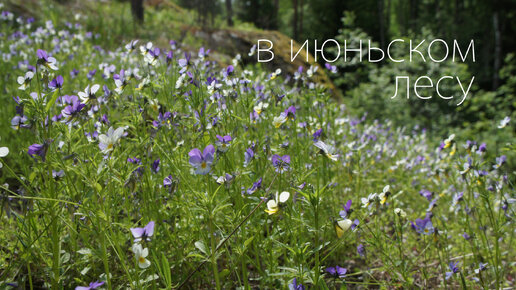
pixel 160 167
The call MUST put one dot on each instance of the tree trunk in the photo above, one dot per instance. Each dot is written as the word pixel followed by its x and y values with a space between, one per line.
pixel 381 21
pixel 276 13
pixel 498 51
pixel 413 12
pixel 294 20
pixel 137 10
pixel 229 12
pixel 301 18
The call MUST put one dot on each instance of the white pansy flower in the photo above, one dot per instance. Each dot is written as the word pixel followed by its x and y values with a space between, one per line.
pixel 141 254
pixel 108 141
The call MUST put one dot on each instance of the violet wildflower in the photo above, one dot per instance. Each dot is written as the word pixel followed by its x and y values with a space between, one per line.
pixel 152 56
pixel 426 194
pixel 184 63
pixel 331 68
pixel 504 122
pixel 202 161
pixel 170 57
pixel 355 224
pixel 347 210
pixel 482 148
pixel 317 134
pixel 74 73
pixel 281 163
pixel 155 166
pixel 223 142
pixel 120 81
pixel 140 255
pixel 337 271
pixel 274 204
pixel 38 149
pixel 481 267
pixel 453 269
pixel 256 185
pixel 91 286
pixel 4 151
pixel 399 212
pixel 290 112
pixel 71 111
pixel 294 286
pixel 167 181
pixel 457 197
pixel 384 195
pixel 361 250
pixel 500 161
pixel 466 166
pixel 91 74
pixel 18 122
pixel 275 74
pixel 163 120
pixel 278 121
pixel 89 94
pixel 45 60
pixel 130 47
pixel 24 81
pixel 423 226
pixel 144 233
pixel 369 200
pixel 139 170
pixel 58 174
pixel 327 150
pixel 56 83
pixel 260 108
pixel 108 141
pixel 248 156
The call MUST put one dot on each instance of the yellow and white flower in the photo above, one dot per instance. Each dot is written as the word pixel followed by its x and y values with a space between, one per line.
pixel 273 204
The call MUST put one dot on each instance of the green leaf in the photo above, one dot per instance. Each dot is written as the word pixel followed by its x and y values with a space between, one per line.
pixel 52 100
pixel 200 245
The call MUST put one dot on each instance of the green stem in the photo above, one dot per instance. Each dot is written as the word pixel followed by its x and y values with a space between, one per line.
pixel 55 253
pixel 213 256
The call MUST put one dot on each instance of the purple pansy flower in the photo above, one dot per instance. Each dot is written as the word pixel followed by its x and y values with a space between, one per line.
pixel 248 156
pixel 361 250
pixel 290 112
pixel 500 161
pixel 337 271
pixel 38 149
pixel 281 163
pixel 202 161
pixel 223 142
pixel 295 286
pixel 347 210
pixel 163 120
pixel 155 165
pixel 19 122
pixel 331 68
pixel 45 60
pixel 317 134
pixel 56 83
pixel 426 194
pixel 453 269
pixel 167 182
pixel 93 285
pixel 257 185
pixel 423 226
pixel 72 110
pixel 143 233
